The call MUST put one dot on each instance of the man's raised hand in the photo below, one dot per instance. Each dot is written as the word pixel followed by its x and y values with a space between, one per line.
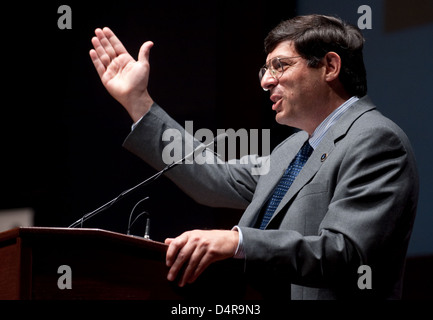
pixel 124 78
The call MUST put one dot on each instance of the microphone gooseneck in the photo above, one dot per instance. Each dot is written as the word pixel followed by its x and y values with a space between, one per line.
pixel 138 216
pixel 107 205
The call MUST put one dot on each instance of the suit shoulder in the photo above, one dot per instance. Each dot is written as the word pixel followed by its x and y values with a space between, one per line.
pixel 374 124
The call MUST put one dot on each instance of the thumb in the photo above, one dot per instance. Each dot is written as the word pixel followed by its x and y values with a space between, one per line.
pixel 144 52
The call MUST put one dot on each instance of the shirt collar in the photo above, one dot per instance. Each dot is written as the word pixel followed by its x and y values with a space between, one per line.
pixel 330 120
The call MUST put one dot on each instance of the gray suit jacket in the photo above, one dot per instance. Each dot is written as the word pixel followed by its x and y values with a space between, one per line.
pixel 355 207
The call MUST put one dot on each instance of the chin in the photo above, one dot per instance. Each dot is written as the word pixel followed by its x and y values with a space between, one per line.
pixel 280 118
pixel 286 121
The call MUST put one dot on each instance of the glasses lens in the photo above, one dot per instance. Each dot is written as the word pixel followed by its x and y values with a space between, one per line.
pixel 276 68
pixel 275 64
pixel 262 73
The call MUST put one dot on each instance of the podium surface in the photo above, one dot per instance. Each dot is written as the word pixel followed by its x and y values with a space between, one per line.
pixel 41 263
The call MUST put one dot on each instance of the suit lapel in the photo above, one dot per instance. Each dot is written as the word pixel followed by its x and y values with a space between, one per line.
pixel 307 173
pixel 325 148
pixel 279 162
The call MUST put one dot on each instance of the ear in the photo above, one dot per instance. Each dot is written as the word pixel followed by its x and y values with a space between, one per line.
pixel 332 64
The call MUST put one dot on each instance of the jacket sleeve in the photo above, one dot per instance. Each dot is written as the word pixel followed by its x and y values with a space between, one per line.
pixel 211 181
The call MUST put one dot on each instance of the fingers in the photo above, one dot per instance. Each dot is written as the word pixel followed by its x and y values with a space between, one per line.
pixel 192 252
pixel 99 66
pixel 108 43
pixel 184 254
pixel 103 48
pixel 174 257
pixel 168 241
pixel 106 48
pixel 198 262
pixel 175 245
pixel 113 41
pixel 101 60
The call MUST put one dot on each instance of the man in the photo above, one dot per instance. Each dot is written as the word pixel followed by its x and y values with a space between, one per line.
pixel 341 193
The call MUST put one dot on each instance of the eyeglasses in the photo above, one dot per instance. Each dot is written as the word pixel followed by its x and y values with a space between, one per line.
pixel 276 67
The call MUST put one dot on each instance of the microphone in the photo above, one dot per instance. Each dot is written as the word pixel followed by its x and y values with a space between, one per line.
pixel 138 216
pixel 107 205
pixel 146 231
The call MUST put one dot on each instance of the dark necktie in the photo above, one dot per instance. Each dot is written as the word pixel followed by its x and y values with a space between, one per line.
pixel 286 181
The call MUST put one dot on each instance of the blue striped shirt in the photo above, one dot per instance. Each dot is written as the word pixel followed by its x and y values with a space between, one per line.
pixel 330 120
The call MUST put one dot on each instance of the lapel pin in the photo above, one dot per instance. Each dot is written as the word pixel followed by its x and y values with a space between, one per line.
pixel 323 157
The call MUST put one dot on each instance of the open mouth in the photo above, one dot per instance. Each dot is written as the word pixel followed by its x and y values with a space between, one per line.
pixel 276 99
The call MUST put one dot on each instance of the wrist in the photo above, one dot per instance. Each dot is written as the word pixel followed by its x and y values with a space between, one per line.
pixel 139 106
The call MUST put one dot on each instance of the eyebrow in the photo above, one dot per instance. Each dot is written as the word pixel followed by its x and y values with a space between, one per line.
pixel 281 57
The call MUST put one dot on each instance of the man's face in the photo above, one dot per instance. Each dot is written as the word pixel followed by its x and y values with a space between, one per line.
pixel 297 93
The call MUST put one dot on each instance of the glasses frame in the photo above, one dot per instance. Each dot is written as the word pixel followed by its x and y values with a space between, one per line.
pixel 274 72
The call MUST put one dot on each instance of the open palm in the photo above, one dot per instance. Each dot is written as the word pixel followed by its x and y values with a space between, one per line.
pixel 124 78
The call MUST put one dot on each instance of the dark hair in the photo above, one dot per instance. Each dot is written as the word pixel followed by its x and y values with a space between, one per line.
pixel 315 35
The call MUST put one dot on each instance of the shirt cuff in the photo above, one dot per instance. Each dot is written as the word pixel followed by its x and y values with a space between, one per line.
pixel 240 253
pixel 135 124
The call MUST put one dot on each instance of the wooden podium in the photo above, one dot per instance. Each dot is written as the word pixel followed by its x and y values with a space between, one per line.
pixel 103 265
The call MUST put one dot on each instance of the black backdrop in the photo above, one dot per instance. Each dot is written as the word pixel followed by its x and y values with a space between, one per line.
pixel 61 132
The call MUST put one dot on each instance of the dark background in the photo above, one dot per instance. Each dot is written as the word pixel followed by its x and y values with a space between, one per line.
pixel 62 132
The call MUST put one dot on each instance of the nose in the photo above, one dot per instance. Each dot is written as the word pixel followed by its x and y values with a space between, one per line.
pixel 268 81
